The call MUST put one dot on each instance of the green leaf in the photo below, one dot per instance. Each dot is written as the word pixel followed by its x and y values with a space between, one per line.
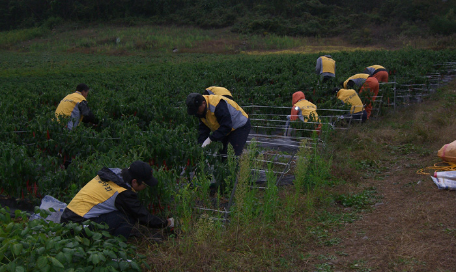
pixel 61 257
pixel 123 255
pixel 56 262
pixel 9 227
pixel 40 250
pixel 97 236
pixel 17 249
pixel 95 258
pixel 85 241
pixel 68 257
pixel 122 245
pixel 124 265
pixel 46 268
pixel 110 253
pixel 25 231
pixel 41 262
pixel 135 266
pixel 20 269
pixel 88 232
pixel 102 257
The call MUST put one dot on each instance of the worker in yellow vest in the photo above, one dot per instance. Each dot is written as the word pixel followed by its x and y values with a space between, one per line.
pixel 74 106
pixel 377 71
pixel 218 91
pixel 366 86
pixel 221 119
pixel 350 97
pixel 112 198
pixel 326 68
pixel 304 110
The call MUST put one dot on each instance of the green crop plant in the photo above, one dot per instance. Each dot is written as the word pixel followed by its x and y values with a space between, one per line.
pixel 38 245
pixel 241 187
pixel 302 163
pixel 270 197
pixel 140 104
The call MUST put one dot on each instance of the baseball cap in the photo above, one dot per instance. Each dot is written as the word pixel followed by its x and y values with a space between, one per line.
pixel 142 171
pixel 194 100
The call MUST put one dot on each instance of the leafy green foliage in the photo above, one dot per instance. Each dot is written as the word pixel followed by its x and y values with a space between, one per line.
pixel 38 245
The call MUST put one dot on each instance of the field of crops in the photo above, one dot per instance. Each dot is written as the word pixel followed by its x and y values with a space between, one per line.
pixel 140 102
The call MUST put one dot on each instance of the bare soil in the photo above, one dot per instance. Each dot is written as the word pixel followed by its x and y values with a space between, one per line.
pixel 412 227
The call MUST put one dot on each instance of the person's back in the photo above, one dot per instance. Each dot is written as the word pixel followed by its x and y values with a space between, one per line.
pixel 215 90
pixel 326 67
pixel 74 106
pixel 303 109
pixel 68 107
pixel 111 198
pixel 349 96
pixel 377 71
pixel 356 81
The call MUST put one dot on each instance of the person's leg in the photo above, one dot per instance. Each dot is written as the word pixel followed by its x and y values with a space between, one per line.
pixel 364 116
pixel 366 98
pixel 238 138
pixel 224 150
pixel 118 223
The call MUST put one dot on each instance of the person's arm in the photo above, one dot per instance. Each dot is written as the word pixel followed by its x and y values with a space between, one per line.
pixel 318 66
pixel 224 119
pixel 203 131
pixel 128 203
pixel 88 116
pixel 294 113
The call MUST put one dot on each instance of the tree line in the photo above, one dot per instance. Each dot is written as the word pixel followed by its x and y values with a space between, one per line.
pixel 284 17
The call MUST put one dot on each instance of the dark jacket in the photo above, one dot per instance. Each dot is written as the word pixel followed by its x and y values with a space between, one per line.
pixel 125 200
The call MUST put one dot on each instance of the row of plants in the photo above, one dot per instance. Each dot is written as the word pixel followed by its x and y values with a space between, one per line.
pixel 140 105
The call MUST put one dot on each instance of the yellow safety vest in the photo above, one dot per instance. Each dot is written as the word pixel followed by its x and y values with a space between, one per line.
pixel 68 107
pixel 355 77
pixel 307 110
pixel 349 96
pixel 376 67
pixel 218 90
pixel 238 115
pixel 95 198
pixel 328 65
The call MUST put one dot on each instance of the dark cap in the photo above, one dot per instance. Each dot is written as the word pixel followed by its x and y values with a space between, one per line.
pixel 82 87
pixel 142 172
pixel 194 100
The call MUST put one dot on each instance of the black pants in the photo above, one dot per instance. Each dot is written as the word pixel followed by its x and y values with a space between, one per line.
pixel 118 223
pixel 237 139
pixel 360 116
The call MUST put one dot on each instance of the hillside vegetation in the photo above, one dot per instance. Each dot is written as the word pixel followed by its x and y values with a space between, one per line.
pixel 361 22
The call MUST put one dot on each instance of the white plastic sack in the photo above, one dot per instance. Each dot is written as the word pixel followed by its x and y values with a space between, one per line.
pixel 445 180
pixel 50 202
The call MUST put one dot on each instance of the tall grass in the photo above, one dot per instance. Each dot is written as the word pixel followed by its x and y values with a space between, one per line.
pixel 15 36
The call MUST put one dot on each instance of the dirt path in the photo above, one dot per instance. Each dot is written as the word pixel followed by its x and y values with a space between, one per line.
pixel 412 227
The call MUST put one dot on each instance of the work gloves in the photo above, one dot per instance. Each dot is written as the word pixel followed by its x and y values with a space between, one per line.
pixel 171 222
pixel 206 142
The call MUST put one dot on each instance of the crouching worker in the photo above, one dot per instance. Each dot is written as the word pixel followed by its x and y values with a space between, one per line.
pixel 377 71
pixel 366 86
pixel 111 198
pixel 303 109
pixel 227 121
pixel 350 97
pixel 74 106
